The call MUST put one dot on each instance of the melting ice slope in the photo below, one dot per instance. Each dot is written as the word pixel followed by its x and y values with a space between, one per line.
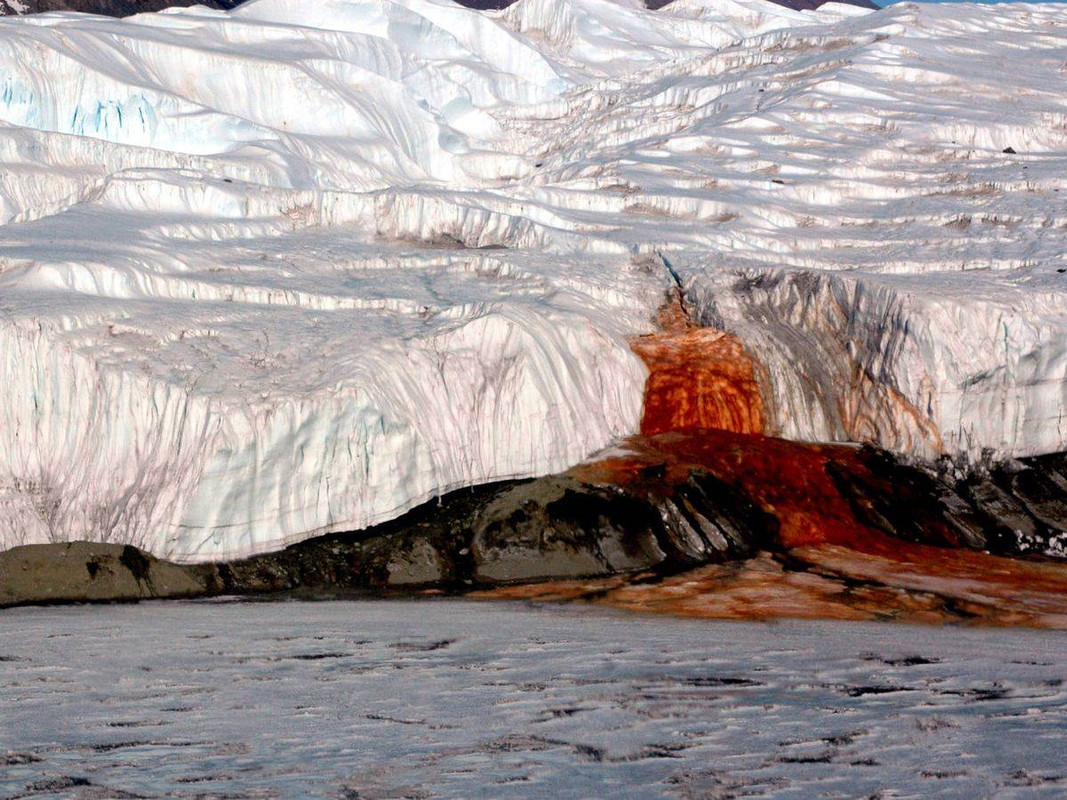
pixel 286 270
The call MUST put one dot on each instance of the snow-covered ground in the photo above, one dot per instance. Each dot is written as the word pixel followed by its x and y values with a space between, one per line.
pixel 295 268
pixel 456 699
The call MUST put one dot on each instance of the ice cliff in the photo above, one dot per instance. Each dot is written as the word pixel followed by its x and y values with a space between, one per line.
pixel 295 268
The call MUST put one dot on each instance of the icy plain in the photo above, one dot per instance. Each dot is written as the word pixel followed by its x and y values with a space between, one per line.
pixel 286 270
pixel 458 699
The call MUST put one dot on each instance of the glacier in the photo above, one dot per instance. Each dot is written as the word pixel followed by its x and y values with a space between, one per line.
pixel 284 270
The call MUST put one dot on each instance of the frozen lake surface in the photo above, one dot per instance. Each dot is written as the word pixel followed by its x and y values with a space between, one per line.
pixel 461 699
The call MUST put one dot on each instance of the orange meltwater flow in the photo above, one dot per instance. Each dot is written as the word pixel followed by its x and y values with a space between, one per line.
pixel 702 382
pixel 698 379
pixel 703 410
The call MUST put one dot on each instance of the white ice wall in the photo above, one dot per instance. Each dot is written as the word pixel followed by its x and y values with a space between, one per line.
pixel 911 365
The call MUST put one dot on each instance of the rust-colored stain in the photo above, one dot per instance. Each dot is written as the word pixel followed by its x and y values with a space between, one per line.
pixel 829 583
pixel 703 411
pixel 828 564
pixel 699 378
pixel 787 479
pixel 875 412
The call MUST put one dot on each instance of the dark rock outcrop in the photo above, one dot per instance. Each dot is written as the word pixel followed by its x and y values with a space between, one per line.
pixel 517 531
pixel 558 526
pixel 90 571
pixel 1013 508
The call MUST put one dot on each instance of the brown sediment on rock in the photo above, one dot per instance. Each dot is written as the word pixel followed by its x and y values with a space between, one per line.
pixel 988 588
pixel 858 536
pixel 820 494
pixel 699 378
pixel 829 583
pixel 788 480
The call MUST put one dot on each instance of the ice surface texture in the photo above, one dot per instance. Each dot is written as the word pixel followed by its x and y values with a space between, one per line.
pixel 294 269
pixel 438 699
